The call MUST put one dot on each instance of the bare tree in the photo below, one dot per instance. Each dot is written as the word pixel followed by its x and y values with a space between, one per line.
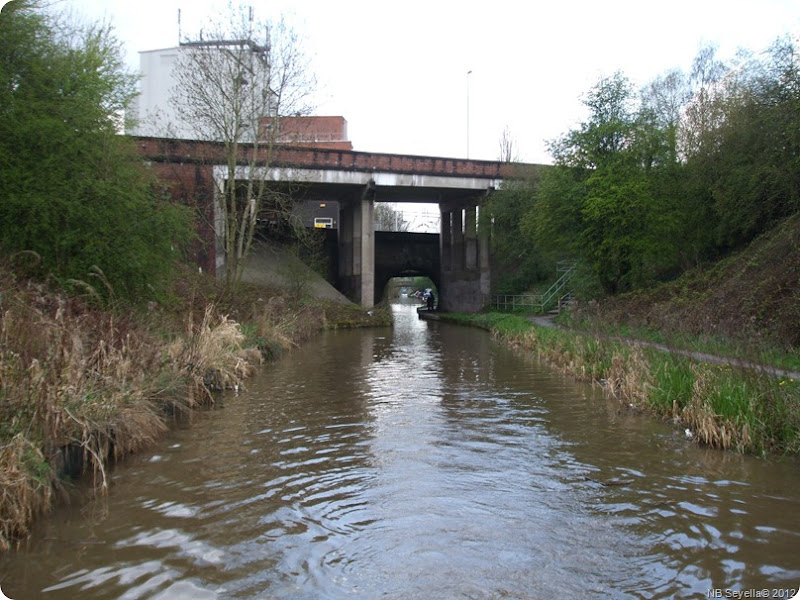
pixel 666 97
pixel 233 85
pixel 663 101
pixel 508 147
pixel 703 111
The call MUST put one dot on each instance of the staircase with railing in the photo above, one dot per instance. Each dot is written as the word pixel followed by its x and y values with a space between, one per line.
pixel 555 295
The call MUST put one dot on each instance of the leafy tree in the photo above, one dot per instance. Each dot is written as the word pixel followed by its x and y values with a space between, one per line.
pixel 389 218
pixel 756 153
pixel 553 217
pixel 741 143
pixel 676 216
pixel 234 84
pixel 599 202
pixel 518 261
pixel 700 166
pixel 702 113
pixel 663 102
pixel 72 189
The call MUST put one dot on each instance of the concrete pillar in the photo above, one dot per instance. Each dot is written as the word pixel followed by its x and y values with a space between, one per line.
pixel 470 239
pixel 346 274
pixel 457 260
pixel 346 242
pixel 445 240
pixel 357 250
pixel 356 256
pixel 367 257
pixel 483 257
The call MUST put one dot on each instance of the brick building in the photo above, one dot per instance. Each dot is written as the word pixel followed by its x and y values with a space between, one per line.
pixel 329 133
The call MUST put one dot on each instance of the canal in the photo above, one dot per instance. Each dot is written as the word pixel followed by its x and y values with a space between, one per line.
pixel 424 461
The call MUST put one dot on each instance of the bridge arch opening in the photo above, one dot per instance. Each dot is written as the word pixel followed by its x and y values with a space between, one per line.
pixel 408 287
pixel 400 254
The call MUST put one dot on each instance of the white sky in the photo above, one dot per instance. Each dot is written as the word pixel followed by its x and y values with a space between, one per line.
pixel 397 71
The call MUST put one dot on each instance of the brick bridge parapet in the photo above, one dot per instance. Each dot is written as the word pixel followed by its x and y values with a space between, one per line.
pixel 173 150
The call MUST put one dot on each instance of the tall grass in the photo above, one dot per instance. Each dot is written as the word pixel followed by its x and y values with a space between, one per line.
pixel 726 406
pixel 684 333
pixel 81 387
pixel 277 325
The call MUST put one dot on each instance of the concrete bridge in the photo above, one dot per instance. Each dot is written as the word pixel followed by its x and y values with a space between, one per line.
pixel 194 171
pixel 404 254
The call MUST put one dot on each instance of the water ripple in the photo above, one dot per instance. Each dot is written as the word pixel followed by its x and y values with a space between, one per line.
pixel 424 462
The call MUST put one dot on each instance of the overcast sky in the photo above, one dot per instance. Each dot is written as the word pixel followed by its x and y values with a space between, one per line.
pixel 398 71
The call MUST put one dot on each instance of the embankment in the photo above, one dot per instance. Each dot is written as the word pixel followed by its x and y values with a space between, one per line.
pixel 83 385
pixel 723 405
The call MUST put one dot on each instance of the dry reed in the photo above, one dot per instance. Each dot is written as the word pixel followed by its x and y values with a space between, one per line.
pixel 86 386
pixel 210 356
pixel 628 378
pixel 25 488
pixel 741 408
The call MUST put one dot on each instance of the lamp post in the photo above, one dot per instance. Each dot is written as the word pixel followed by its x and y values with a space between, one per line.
pixel 468 74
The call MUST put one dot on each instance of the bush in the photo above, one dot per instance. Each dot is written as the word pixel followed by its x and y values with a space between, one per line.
pixel 72 190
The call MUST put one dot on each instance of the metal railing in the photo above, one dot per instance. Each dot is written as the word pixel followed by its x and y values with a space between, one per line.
pixel 554 292
pixel 513 302
pixel 537 302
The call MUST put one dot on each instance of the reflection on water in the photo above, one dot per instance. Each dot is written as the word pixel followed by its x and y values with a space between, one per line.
pixel 423 461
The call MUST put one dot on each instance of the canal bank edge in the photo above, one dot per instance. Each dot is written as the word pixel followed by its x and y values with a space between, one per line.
pixel 82 386
pixel 730 405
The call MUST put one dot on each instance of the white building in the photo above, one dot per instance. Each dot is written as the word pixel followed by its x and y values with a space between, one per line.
pixel 154 110
pixel 154 113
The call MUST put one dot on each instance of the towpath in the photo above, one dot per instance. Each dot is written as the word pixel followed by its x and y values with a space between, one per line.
pixel 547 321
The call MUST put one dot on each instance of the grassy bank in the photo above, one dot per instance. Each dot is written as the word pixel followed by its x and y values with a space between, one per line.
pixel 722 405
pixel 745 304
pixel 82 385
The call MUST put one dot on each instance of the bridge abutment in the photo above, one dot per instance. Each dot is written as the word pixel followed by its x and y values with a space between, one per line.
pixel 357 251
pixel 465 275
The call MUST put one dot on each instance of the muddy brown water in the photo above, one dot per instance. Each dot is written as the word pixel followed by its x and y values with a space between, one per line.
pixel 424 461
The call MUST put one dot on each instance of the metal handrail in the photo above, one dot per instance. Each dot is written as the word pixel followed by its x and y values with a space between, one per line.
pixel 565 265
pixel 515 301
pixel 559 285
pixel 538 302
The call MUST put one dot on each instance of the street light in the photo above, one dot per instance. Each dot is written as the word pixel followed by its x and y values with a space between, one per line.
pixel 468 74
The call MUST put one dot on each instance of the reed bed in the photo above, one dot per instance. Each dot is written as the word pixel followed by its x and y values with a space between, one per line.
pixel 83 384
pixel 81 387
pixel 732 406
